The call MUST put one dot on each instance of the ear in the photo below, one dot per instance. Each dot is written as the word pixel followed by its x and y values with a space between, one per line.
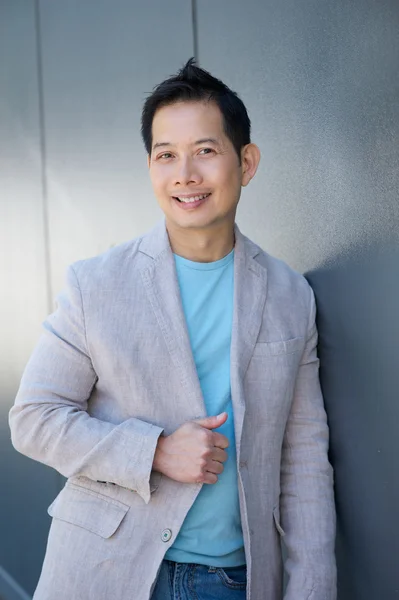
pixel 250 157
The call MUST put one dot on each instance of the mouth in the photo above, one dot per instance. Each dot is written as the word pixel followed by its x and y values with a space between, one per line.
pixel 191 201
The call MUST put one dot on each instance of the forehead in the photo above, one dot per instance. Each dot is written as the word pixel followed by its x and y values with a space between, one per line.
pixel 184 121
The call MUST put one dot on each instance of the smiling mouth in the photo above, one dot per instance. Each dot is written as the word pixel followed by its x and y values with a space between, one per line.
pixel 191 199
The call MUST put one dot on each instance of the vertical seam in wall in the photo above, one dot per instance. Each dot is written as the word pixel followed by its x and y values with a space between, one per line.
pixel 44 182
pixel 194 16
pixel 43 153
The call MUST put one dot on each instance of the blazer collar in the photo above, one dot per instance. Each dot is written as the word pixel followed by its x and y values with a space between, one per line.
pixel 156 242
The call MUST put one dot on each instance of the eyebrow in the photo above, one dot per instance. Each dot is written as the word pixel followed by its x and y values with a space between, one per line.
pixel 201 141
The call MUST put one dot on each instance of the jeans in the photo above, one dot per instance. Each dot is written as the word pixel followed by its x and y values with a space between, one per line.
pixel 180 581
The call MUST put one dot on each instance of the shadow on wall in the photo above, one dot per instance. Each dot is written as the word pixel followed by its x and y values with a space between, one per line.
pixel 358 318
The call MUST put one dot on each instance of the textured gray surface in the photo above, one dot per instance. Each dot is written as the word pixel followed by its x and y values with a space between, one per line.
pixel 100 59
pixel 26 487
pixel 10 589
pixel 320 81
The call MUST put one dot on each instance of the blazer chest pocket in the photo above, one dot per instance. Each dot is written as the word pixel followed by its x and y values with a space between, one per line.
pixel 280 347
pixel 87 509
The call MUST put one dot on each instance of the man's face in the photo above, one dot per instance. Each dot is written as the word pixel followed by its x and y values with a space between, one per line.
pixel 194 168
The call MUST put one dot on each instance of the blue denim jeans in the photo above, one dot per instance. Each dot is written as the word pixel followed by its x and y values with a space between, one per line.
pixel 180 581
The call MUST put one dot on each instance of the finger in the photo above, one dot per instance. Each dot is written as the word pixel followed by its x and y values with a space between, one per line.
pixel 210 478
pixel 219 454
pixel 220 440
pixel 212 422
pixel 215 467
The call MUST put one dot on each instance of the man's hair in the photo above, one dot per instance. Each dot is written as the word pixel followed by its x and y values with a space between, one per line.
pixel 193 84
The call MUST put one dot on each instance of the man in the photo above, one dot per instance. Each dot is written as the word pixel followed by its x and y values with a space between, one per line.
pixel 176 386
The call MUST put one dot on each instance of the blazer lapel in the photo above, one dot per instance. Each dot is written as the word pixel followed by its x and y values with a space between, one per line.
pixel 250 287
pixel 162 287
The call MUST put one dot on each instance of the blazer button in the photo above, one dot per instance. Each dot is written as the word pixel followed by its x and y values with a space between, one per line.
pixel 166 535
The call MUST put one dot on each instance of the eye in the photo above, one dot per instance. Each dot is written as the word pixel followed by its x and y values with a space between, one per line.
pixel 206 150
pixel 165 155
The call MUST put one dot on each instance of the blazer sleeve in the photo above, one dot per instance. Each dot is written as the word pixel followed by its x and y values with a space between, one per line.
pixel 307 500
pixel 49 421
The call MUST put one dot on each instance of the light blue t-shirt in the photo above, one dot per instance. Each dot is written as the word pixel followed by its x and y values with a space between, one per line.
pixel 211 533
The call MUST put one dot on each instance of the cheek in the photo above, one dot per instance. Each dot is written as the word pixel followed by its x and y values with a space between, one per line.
pixel 159 180
pixel 230 186
pixel 227 176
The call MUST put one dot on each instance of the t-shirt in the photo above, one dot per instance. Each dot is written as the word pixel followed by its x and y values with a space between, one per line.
pixel 211 533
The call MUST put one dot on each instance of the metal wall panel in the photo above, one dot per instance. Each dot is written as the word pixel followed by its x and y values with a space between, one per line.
pixel 320 81
pixel 26 487
pixel 100 58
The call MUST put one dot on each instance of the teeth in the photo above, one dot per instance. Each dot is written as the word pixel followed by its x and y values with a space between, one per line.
pixel 192 198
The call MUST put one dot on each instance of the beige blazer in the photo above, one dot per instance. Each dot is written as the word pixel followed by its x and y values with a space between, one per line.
pixel 114 369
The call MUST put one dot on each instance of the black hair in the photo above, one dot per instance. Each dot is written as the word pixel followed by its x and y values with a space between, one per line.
pixel 192 83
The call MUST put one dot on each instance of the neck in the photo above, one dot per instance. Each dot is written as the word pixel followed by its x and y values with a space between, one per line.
pixel 201 245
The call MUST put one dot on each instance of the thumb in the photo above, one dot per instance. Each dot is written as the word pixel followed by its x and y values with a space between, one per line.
pixel 212 422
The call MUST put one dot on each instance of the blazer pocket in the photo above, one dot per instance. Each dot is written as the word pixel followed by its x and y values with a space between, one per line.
pixel 87 509
pixel 281 347
pixel 276 517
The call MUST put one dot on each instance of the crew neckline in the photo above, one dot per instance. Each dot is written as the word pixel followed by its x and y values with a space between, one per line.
pixel 204 266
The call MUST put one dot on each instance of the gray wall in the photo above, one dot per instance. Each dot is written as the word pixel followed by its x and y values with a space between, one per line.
pixel 26 487
pixel 320 81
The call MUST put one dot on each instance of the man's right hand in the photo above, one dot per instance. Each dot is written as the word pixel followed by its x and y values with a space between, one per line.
pixel 193 453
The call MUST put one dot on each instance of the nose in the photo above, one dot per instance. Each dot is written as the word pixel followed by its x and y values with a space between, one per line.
pixel 186 173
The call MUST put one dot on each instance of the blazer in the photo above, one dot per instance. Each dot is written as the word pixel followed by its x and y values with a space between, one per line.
pixel 114 369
